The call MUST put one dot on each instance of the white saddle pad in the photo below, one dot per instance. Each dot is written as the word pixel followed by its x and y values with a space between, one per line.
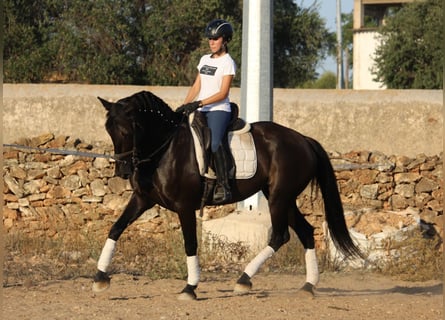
pixel 243 151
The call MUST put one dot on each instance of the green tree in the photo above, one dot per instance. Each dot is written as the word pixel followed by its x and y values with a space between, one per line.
pixel 174 42
pixel 28 26
pixel 155 42
pixel 347 45
pixel 95 42
pixel 411 55
pixel 347 32
pixel 301 40
pixel 328 80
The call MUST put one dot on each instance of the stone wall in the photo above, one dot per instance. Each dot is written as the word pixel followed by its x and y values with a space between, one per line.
pixel 52 195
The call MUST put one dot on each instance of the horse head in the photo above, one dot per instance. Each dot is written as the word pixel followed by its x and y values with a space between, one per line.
pixel 137 126
pixel 119 125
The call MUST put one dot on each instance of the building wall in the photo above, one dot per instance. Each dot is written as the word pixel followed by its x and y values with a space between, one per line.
pixel 365 44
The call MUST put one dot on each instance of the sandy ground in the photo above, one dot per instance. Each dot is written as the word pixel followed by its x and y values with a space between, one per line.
pixel 338 296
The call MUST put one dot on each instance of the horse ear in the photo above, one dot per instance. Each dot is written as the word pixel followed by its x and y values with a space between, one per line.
pixel 105 103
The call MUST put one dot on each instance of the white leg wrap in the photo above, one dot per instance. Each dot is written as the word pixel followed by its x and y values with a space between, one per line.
pixel 193 270
pixel 106 255
pixel 254 265
pixel 311 266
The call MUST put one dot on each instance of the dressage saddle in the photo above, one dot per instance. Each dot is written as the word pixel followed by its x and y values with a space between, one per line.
pixel 199 125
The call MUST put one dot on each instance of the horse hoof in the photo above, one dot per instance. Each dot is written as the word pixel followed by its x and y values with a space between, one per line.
pixel 188 293
pixel 241 288
pixel 307 290
pixel 243 285
pixel 100 286
pixel 187 296
pixel 101 281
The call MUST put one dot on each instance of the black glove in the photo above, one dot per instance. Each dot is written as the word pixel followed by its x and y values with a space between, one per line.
pixel 189 107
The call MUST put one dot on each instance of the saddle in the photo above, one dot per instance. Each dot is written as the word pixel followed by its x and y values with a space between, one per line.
pixel 238 144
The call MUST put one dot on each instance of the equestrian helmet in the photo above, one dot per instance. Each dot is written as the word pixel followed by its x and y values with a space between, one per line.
pixel 219 28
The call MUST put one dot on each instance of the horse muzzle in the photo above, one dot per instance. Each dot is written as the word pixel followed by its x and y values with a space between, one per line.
pixel 123 170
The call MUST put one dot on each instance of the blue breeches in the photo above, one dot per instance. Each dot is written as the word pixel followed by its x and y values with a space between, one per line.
pixel 217 121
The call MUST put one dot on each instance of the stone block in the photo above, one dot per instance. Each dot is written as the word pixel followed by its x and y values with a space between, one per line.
pixel 369 191
pixel 406 190
pixel 426 185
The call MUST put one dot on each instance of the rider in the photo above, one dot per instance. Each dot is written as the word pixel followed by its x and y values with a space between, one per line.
pixel 211 90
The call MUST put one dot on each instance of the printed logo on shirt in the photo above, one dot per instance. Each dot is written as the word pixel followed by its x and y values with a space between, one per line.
pixel 208 70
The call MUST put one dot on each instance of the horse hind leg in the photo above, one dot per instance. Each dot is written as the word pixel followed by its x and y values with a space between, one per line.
pixel 305 233
pixel 244 285
pixel 280 236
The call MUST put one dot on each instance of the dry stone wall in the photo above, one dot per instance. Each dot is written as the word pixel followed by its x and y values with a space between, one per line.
pixel 53 195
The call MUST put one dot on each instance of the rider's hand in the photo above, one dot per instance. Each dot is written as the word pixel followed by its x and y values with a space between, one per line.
pixel 189 107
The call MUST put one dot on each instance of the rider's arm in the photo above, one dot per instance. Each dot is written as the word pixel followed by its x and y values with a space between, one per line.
pixel 223 92
pixel 194 90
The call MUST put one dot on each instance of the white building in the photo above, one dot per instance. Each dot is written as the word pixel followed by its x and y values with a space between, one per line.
pixel 368 16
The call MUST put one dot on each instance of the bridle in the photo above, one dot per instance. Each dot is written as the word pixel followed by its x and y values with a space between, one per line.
pixel 136 161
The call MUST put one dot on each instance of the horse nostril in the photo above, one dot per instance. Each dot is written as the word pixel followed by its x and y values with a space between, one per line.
pixel 123 171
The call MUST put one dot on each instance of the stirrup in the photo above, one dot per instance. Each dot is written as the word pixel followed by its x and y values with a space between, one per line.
pixel 221 194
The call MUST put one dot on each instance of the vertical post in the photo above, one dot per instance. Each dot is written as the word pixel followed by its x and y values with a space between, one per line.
pixel 346 67
pixel 340 82
pixel 256 69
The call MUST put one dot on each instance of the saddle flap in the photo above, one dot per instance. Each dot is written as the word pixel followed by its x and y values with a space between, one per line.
pixel 240 143
pixel 202 134
pixel 199 124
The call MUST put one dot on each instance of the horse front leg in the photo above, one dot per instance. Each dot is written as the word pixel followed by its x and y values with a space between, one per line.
pixel 188 226
pixel 134 209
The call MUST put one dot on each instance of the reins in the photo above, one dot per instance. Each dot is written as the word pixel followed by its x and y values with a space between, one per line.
pixel 135 159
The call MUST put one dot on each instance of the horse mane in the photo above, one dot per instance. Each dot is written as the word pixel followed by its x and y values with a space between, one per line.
pixel 147 103
pixel 154 124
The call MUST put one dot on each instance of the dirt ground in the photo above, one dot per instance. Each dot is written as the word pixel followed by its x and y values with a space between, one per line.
pixel 343 296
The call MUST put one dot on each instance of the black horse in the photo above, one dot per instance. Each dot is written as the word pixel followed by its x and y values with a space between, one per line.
pixel 154 148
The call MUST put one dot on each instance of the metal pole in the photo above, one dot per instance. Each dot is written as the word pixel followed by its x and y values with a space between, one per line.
pixel 256 69
pixel 340 81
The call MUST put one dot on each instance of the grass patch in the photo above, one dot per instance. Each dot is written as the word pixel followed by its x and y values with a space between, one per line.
pixel 416 258
pixel 218 254
pixel 71 255
pixel 39 258
pixel 36 259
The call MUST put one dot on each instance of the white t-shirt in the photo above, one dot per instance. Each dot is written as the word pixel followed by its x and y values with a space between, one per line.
pixel 212 71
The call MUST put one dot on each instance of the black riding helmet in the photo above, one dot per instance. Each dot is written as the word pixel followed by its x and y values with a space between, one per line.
pixel 219 28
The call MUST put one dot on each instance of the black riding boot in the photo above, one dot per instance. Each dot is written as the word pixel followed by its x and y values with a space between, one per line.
pixel 222 189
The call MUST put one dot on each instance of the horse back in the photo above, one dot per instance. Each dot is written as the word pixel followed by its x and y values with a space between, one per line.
pixel 283 149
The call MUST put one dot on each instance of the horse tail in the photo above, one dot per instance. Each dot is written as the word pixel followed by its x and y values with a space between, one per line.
pixel 332 203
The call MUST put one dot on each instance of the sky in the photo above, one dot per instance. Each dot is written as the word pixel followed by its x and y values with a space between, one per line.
pixel 328 11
